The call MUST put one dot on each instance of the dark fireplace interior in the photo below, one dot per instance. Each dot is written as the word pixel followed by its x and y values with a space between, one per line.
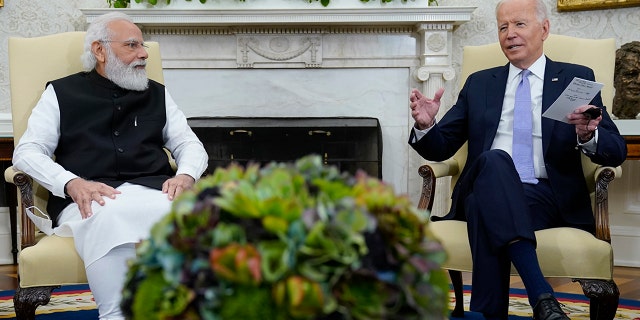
pixel 350 143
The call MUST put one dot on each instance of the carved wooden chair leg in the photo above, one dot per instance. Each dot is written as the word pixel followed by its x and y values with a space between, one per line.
pixel 456 281
pixel 26 300
pixel 604 297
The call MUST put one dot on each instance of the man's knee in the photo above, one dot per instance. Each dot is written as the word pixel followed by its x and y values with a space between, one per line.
pixel 495 156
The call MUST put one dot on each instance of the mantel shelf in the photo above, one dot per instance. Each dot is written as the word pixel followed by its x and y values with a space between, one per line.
pixel 322 16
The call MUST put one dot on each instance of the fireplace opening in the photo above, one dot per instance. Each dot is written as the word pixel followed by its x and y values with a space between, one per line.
pixel 350 143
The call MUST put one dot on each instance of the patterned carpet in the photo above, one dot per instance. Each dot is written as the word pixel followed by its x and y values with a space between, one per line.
pixel 576 306
pixel 67 303
pixel 76 302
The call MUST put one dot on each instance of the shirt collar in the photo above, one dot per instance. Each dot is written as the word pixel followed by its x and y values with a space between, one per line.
pixel 537 69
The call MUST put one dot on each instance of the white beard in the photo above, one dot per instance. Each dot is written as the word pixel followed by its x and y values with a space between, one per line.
pixel 126 76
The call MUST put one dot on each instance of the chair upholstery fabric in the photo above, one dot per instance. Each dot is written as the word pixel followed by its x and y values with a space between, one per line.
pixel 562 252
pixel 67 269
pixel 46 261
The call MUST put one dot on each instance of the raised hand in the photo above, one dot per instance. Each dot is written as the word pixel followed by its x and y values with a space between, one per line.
pixel 423 109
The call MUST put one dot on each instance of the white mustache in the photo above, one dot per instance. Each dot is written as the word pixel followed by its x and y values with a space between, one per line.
pixel 138 63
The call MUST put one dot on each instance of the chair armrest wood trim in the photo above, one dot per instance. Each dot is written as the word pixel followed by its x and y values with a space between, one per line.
pixel 428 187
pixel 429 173
pixel 604 176
pixel 24 183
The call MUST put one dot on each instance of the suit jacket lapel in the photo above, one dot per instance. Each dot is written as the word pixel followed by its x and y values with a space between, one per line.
pixel 495 99
pixel 554 81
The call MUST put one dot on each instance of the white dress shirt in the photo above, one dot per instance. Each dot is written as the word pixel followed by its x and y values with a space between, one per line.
pixel 34 152
pixel 504 136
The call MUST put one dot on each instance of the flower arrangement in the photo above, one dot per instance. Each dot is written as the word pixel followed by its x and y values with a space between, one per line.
pixel 288 241
pixel 125 3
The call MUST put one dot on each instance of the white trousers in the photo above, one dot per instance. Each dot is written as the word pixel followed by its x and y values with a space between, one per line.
pixel 106 240
pixel 106 279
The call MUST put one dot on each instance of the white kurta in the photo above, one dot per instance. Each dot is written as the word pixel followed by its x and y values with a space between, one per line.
pixel 125 219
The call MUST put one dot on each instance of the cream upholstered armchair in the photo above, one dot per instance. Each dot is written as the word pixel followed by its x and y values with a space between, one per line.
pixel 45 262
pixel 563 252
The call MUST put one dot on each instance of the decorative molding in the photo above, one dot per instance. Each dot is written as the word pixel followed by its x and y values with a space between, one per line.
pixel 436 42
pixel 324 16
pixel 6 257
pixel 6 126
pixel 423 73
pixel 625 241
pixel 290 49
pixel 187 30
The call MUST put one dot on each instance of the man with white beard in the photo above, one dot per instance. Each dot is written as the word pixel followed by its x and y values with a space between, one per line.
pixel 107 129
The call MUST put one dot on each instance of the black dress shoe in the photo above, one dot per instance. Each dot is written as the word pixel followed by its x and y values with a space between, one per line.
pixel 548 308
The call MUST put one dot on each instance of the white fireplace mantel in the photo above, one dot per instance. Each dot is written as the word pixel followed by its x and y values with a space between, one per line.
pixel 301 62
pixel 283 17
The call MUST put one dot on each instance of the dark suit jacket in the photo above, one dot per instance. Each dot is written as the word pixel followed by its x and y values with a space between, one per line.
pixel 475 118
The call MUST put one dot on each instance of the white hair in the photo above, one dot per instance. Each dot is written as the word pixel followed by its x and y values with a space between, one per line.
pixel 99 31
pixel 541 9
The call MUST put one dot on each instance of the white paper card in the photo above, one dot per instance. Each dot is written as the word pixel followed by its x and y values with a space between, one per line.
pixel 579 92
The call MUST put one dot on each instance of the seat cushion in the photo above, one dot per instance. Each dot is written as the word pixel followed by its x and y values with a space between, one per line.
pixel 51 261
pixel 562 252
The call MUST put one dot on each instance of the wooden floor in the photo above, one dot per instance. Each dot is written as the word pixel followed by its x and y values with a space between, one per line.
pixel 628 280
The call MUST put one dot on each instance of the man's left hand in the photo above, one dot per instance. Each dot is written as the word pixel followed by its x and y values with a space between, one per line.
pixel 585 125
pixel 175 186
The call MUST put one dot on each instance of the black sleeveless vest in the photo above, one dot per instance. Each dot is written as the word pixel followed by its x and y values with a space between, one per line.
pixel 109 134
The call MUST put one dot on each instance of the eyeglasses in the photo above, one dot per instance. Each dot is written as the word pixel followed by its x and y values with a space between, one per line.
pixel 131 44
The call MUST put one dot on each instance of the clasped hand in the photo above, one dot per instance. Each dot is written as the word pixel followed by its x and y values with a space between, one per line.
pixel 84 192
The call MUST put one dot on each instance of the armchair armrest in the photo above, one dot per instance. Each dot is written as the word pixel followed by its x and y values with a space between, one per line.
pixel 603 176
pixel 429 173
pixel 24 183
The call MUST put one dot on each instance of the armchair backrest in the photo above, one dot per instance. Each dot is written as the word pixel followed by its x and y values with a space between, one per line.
pixel 598 54
pixel 30 69
pixel 35 61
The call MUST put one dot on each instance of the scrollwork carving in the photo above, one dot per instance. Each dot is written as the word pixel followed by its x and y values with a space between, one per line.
pixel 428 187
pixel 424 73
pixel 602 204
pixel 24 183
pixel 26 300
pixel 436 42
pixel 604 297
pixel 282 49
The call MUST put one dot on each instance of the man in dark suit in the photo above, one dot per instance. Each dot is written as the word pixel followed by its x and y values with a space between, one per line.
pixel 505 201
